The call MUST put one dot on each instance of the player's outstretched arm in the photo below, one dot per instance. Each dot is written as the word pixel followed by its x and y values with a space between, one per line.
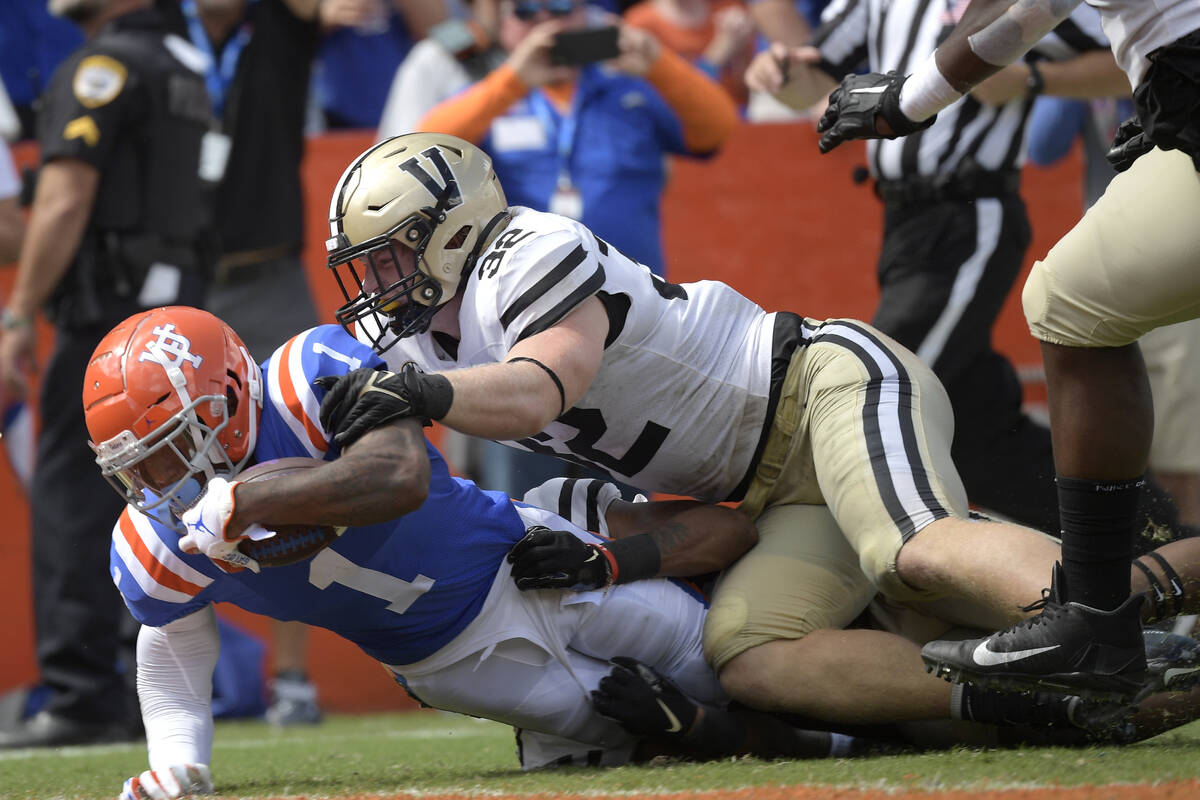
pixel 990 35
pixel 666 539
pixel 692 538
pixel 382 476
pixel 175 666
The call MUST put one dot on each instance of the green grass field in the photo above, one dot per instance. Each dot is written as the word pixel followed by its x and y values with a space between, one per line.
pixel 430 753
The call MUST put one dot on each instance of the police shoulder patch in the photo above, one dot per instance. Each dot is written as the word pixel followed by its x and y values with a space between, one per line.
pixel 98 79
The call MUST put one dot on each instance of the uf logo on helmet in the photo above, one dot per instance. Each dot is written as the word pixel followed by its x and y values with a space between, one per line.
pixel 168 344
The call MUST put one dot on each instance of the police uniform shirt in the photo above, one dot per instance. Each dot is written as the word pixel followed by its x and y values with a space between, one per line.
pixel 679 360
pixel 98 110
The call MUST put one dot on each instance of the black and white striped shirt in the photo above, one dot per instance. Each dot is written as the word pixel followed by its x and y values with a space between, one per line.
pixel 886 35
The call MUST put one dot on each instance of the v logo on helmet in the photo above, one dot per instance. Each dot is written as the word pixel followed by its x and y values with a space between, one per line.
pixel 413 167
pixel 169 343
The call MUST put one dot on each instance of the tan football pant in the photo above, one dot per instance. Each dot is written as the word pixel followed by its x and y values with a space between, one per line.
pixel 1130 265
pixel 860 444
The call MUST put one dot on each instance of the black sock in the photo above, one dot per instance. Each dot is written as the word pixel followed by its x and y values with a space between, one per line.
pixel 724 732
pixel 1007 708
pixel 1097 520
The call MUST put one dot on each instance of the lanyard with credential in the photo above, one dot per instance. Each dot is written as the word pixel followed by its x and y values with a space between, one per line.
pixel 220 70
pixel 565 200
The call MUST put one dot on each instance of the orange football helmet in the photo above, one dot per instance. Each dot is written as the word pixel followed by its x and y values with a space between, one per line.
pixel 171 397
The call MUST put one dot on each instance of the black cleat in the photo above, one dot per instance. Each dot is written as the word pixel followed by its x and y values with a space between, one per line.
pixel 642 701
pixel 1068 648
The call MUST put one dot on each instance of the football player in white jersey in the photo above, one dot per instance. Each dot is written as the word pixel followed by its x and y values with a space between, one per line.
pixel 1127 267
pixel 524 327
pixel 418 580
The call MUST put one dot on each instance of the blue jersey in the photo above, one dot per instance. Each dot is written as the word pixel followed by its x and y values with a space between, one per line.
pixel 399 590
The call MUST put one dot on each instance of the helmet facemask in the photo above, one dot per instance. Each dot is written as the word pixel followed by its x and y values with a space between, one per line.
pixel 162 473
pixel 408 302
pixel 431 193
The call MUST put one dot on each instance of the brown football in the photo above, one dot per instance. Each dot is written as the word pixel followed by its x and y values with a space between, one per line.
pixel 291 543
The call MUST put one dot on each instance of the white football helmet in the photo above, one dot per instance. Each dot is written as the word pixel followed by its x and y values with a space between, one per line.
pixel 430 192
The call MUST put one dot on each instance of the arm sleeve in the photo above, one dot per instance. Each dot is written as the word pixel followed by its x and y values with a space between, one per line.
pixel 470 114
pixel 544 282
pixel 582 501
pixel 706 112
pixel 842 38
pixel 88 108
pixel 174 680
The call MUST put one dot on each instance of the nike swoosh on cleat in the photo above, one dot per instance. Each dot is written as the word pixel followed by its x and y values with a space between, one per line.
pixel 675 726
pixel 592 557
pixel 989 658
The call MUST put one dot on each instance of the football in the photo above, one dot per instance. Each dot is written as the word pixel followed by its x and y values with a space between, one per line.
pixel 291 543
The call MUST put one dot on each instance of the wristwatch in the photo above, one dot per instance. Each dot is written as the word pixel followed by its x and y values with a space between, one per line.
pixel 1035 83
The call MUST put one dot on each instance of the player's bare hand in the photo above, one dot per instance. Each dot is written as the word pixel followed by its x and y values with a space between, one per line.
pixel 177 780
pixel 530 58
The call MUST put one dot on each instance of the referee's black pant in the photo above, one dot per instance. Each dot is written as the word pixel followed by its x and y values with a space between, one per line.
pixel 945 271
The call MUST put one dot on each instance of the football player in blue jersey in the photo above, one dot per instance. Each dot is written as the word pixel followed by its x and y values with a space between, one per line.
pixel 176 410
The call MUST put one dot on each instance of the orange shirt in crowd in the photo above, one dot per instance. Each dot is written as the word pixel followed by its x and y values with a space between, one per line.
pixel 691 42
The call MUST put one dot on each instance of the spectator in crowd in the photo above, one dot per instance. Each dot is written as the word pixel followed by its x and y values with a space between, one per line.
pixel 33 42
pixel 955 227
pixel 364 43
pixel 120 221
pixel 715 35
pixel 457 53
pixel 260 58
pixel 789 22
pixel 12 225
pixel 588 142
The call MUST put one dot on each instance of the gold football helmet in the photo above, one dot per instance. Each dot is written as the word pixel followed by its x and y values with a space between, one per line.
pixel 430 192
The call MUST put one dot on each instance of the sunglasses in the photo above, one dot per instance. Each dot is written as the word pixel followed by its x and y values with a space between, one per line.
pixel 527 10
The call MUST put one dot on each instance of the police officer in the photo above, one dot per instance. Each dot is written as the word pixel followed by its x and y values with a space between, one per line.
pixel 120 221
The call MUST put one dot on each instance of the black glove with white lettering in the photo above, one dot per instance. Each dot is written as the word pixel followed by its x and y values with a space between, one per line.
pixel 642 701
pixel 366 398
pixel 854 106
pixel 547 559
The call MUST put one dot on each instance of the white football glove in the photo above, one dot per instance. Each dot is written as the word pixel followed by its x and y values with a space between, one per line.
pixel 177 780
pixel 206 522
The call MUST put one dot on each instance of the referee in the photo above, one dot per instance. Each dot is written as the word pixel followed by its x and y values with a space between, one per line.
pixel 955 227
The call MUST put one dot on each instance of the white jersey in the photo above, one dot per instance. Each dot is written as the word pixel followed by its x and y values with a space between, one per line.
pixel 1137 28
pixel 685 386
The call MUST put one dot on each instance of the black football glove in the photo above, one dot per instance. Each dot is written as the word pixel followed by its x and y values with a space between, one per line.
pixel 366 398
pixel 546 559
pixel 642 701
pixel 1129 143
pixel 854 105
